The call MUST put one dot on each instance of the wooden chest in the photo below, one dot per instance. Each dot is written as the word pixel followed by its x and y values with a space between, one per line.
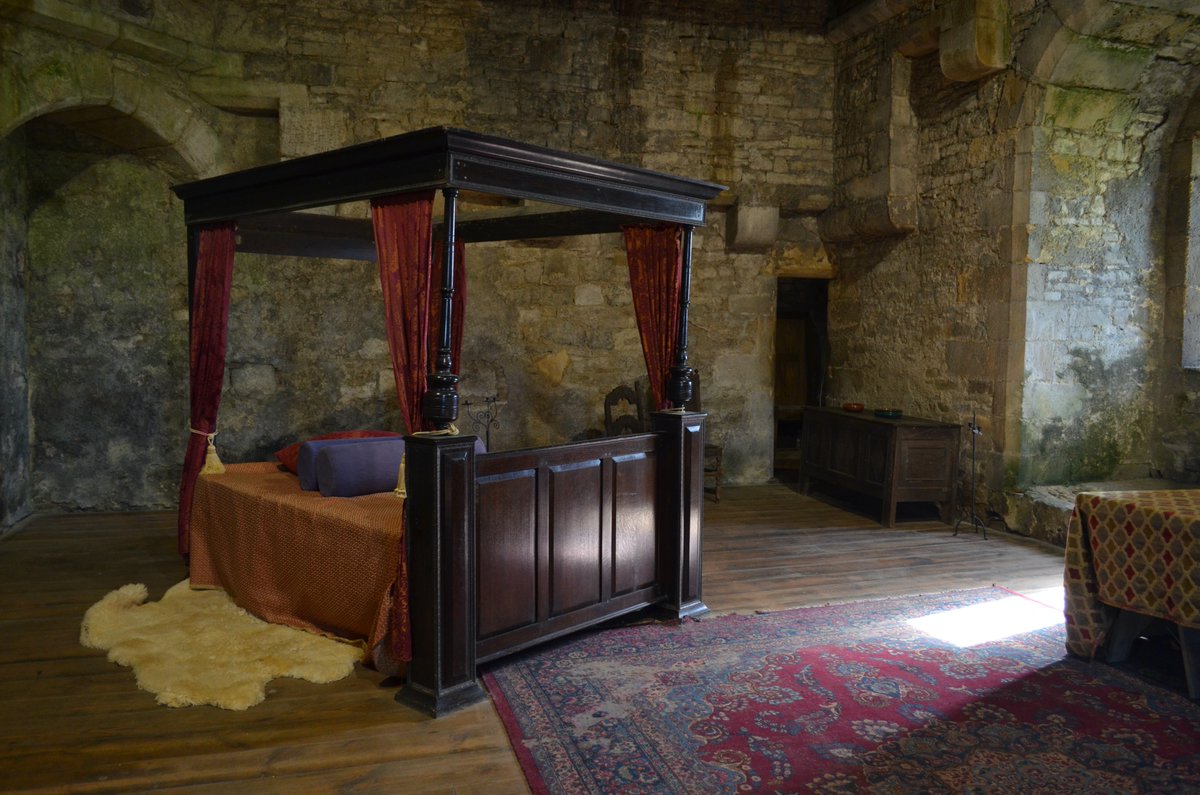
pixel 907 459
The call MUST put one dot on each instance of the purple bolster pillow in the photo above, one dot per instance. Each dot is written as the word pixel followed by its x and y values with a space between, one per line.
pixel 306 457
pixel 369 467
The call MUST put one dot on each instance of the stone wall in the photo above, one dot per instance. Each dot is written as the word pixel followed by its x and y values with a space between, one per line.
pixel 1031 278
pixel 722 95
pixel 719 93
pixel 1100 314
pixel 107 320
pixel 918 311
pixel 997 240
pixel 15 470
pixel 1177 426
pixel 1095 292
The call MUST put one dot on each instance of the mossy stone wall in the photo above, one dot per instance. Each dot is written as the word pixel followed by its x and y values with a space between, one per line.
pixel 15 471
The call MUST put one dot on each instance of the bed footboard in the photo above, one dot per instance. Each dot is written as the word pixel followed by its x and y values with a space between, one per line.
pixel 507 550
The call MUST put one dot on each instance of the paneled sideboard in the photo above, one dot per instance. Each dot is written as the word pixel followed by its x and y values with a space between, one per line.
pixel 905 459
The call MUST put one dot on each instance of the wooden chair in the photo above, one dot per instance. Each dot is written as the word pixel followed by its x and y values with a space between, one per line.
pixel 623 412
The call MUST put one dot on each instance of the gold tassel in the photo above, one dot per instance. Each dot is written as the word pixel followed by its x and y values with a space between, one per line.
pixel 212 461
pixel 401 485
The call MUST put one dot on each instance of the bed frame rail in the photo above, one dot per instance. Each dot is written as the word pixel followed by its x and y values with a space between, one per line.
pixel 507 550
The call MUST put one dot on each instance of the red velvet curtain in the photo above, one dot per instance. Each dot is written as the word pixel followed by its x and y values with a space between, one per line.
pixel 411 274
pixel 404 246
pixel 210 320
pixel 655 255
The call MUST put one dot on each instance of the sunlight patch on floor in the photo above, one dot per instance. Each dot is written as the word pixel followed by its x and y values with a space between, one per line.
pixel 990 621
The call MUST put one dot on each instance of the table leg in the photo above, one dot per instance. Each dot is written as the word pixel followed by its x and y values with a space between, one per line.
pixel 1189 641
pixel 1128 627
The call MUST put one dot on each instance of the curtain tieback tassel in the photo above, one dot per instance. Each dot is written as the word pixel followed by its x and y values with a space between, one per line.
pixel 402 477
pixel 212 461
pixel 401 486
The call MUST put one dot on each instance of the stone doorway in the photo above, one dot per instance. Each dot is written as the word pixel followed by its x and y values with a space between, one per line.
pixel 801 358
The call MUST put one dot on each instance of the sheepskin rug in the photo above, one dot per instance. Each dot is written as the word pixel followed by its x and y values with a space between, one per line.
pixel 198 647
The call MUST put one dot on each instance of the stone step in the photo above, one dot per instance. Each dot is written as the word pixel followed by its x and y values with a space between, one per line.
pixel 1043 512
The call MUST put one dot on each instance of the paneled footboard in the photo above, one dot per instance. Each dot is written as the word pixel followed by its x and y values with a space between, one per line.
pixel 506 550
pixel 564 537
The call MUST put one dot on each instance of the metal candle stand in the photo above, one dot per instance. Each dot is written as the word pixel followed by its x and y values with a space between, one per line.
pixel 973 519
pixel 486 419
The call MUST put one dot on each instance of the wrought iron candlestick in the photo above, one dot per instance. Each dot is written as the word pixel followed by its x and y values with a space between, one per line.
pixel 973 517
pixel 486 419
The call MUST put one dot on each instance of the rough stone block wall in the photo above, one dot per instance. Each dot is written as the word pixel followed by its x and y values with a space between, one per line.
pixel 15 471
pixel 1094 282
pixel 107 319
pixel 1177 430
pixel 1097 404
pixel 722 93
pixel 1033 285
pixel 917 320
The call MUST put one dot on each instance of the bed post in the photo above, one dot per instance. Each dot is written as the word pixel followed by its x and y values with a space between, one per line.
pixel 681 477
pixel 440 538
pixel 679 382
pixel 439 406
pixel 680 509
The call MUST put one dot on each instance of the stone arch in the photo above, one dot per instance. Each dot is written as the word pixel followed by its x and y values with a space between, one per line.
pixel 138 111
pixel 91 92
pixel 1103 75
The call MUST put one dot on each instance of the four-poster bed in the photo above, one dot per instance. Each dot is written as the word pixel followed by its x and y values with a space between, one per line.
pixel 502 550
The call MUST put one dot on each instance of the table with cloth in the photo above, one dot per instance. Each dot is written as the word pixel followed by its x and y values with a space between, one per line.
pixel 1134 554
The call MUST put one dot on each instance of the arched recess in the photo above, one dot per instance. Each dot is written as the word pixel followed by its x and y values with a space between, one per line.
pixel 1091 100
pixel 84 239
pixel 110 101
pixel 1178 429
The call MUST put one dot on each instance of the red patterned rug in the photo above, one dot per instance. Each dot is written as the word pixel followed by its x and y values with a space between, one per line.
pixel 850 698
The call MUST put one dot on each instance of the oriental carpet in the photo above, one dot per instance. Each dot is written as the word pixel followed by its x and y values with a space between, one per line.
pixel 925 694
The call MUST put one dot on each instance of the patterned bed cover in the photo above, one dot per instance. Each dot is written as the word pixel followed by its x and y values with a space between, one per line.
pixel 324 564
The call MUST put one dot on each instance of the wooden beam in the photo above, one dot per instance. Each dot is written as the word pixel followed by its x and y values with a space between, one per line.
pixel 328 236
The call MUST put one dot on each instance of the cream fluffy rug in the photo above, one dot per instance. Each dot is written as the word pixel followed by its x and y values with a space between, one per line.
pixel 198 647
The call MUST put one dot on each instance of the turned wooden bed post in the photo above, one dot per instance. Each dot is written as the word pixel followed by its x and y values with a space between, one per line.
pixel 681 474
pixel 441 574
pixel 440 403
pixel 441 529
pixel 679 384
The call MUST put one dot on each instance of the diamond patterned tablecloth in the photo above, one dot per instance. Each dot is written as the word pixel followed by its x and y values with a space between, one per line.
pixel 1132 550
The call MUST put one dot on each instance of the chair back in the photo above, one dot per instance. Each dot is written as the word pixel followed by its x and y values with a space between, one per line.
pixel 623 412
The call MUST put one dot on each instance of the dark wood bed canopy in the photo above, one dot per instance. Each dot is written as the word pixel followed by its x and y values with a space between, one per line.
pixel 505 549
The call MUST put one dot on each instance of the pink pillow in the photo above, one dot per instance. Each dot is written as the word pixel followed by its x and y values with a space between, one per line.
pixel 290 455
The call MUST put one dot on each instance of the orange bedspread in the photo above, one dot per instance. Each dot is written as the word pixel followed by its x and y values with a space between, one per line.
pixel 325 564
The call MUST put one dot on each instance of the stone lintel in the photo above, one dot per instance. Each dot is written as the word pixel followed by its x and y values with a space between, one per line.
pixel 242 96
pixel 886 216
pixel 752 227
pixel 975 39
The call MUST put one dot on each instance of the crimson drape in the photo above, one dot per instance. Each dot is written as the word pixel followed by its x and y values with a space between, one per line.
pixel 404 247
pixel 411 275
pixel 210 319
pixel 655 256
pixel 410 271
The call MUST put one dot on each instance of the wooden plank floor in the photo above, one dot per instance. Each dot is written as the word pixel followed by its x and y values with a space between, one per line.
pixel 72 722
